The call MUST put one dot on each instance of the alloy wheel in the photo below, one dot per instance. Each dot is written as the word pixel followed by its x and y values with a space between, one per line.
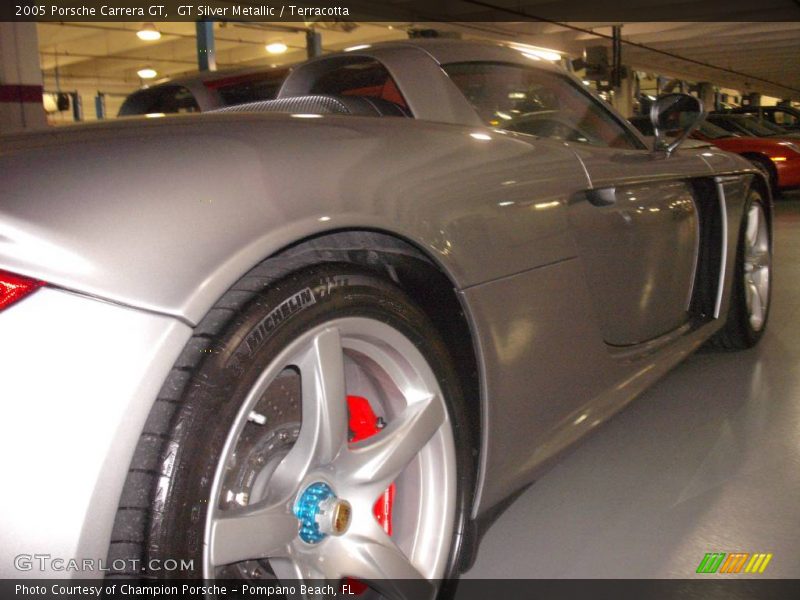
pixel 298 495
pixel 757 266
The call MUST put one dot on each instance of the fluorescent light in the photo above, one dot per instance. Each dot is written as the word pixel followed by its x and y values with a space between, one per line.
pixel 359 47
pixel 148 33
pixel 537 53
pixel 545 54
pixel 276 48
pixel 306 116
pixel 147 73
pixel 154 115
pixel 481 136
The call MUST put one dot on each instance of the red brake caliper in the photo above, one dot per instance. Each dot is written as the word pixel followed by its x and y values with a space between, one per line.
pixel 364 424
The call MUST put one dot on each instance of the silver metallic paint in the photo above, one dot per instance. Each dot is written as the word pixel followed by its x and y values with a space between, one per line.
pixel 142 214
pixel 78 378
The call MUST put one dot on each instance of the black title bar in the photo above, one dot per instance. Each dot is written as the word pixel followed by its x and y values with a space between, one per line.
pixel 406 11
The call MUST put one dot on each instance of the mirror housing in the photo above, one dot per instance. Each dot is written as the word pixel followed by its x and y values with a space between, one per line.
pixel 674 115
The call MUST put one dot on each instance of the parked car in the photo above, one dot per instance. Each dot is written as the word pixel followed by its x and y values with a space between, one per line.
pixel 778 158
pixel 748 126
pixel 785 117
pixel 330 335
pixel 205 91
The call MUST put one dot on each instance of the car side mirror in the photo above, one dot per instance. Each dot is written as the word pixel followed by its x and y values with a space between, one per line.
pixel 674 114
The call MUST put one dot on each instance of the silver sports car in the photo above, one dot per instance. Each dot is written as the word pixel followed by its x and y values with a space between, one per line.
pixel 330 335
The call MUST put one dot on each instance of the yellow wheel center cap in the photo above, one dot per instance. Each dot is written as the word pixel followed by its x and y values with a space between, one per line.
pixel 334 516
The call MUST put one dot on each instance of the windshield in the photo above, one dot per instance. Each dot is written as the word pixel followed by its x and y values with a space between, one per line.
pixel 756 128
pixel 713 132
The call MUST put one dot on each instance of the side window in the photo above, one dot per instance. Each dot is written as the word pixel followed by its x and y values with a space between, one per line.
pixel 160 99
pixel 538 102
pixel 361 77
pixel 252 87
pixel 782 117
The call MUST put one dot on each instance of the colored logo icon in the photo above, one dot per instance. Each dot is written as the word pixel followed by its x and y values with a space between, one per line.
pixel 735 562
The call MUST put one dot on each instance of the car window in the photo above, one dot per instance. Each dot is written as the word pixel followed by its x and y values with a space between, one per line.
pixel 252 87
pixel 782 117
pixel 713 132
pixel 160 99
pixel 726 123
pixel 360 77
pixel 754 127
pixel 538 102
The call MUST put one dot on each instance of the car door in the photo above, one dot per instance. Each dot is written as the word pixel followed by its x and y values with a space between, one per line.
pixel 638 235
pixel 636 226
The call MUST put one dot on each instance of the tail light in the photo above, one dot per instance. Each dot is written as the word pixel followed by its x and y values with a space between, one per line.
pixel 14 288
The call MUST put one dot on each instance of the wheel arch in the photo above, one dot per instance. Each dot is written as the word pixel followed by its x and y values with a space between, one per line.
pixel 765 160
pixel 765 187
pixel 390 256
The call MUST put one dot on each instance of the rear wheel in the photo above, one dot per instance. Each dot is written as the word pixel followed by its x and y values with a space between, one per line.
pixel 752 282
pixel 317 440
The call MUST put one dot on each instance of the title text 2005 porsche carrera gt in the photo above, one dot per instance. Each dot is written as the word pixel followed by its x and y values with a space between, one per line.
pixel 327 335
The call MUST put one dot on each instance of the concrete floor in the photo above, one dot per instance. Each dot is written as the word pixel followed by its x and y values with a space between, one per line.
pixel 706 461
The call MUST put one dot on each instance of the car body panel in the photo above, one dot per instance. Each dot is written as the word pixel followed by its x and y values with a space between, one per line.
pixel 67 435
pixel 448 207
pixel 159 217
pixel 649 213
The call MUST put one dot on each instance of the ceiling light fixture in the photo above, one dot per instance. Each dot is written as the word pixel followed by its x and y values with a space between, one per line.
pixel 148 33
pixel 147 73
pixel 537 53
pixel 276 48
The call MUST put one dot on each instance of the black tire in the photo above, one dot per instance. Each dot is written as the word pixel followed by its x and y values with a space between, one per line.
pixel 766 167
pixel 164 502
pixel 738 333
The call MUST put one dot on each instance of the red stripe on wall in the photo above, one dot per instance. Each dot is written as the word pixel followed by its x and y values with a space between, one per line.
pixel 21 93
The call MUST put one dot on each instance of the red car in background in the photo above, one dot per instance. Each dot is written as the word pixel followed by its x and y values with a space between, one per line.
pixel 779 157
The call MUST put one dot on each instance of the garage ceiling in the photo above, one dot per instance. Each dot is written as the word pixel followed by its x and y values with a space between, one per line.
pixel 761 57
pixel 758 57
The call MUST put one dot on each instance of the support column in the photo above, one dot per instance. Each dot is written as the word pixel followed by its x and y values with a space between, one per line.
pixel 707 96
pixel 100 105
pixel 624 93
pixel 754 99
pixel 313 43
pixel 20 78
pixel 206 53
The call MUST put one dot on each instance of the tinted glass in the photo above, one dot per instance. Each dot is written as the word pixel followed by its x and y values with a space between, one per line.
pixel 712 131
pixel 748 126
pixel 783 117
pixel 538 102
pixel 160 99
pixel 362 77
pixel 250 89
